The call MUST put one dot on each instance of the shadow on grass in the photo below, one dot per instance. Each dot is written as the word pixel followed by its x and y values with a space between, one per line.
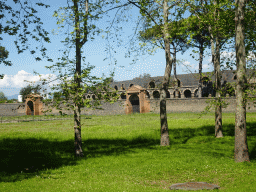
pixel 25 158
pixel 181 136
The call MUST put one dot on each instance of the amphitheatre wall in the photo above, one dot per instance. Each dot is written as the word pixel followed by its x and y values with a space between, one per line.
pixel 173 105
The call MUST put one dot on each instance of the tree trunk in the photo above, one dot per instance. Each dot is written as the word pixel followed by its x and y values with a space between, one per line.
pixel 218 107
pixel 216 63
pixel 77 110
pixel 163 116
pixel 241 147
pixel 201 52
pixel 174 64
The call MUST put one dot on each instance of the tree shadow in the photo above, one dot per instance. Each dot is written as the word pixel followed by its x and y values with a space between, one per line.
pixel 25 158
pixel 182 136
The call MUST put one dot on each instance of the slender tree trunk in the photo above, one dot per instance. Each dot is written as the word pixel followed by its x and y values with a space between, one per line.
pixel 174 63
pixel 201 52
pixel 163 116
pixel 216 63
pixel 241 147
pixel 77 110
pixel 218 107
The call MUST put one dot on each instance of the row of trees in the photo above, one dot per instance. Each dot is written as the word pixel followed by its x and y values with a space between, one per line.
pixel 211 23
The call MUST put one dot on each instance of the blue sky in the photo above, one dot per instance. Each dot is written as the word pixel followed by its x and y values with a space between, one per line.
pixel 24 63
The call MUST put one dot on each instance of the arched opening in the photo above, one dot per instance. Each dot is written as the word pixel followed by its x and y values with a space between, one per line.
pixel 156 95
pixel 196 93
pixel 147 94
pixel 88 97
pixel 134 99
pixel 151 84
pixel 234 77
pixel 131 85
pixel 123 96
pixel 30 110
pixel 122 87
pixel 187 93
pixel 168 94
pixel 178 82
pixel 93 97
pixel 115 87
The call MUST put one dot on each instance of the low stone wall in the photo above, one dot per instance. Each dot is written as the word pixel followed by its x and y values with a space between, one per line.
pixel 18 109
pixel 12 109
pixel 173 105
pixel 194 105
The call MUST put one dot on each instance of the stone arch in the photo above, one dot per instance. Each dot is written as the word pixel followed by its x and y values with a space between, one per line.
pixel 115 87
pixel 93 97
pixel 147 94
pixel 88 97
pixel 178 82
pixel 130 85
pixel 135 101
pixel 151 84
pixel 168 94
pixel 176 94
pixel 234 77
pixel 187 93
pixel 156 95
pixel 34 104
pixel 30 108
pixel 196 93
pixel 123 96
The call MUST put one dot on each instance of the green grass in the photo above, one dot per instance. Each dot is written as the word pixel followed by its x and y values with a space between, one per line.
pixel 123 154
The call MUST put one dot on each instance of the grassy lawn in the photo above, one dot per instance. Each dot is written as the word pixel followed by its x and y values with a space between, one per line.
pixel 123 154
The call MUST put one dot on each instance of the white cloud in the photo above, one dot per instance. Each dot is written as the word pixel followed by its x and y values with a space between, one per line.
pixel 17 81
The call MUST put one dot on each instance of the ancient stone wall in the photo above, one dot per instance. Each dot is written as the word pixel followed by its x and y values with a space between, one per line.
pixel 173 105
pixel 194 105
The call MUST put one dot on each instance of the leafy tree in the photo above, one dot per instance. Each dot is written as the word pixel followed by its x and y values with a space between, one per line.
pixel 17 23
pixel 2 96
pixel 158 14
pixel 216 17
pixel 177 39
pixel 3 56
pixel 25 91
pixel 69 92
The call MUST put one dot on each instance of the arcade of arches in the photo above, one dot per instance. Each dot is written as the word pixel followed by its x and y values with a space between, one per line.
pixel 136 98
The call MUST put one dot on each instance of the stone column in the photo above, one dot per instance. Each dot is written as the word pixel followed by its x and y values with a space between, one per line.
pixel 151 94
pixel 182 95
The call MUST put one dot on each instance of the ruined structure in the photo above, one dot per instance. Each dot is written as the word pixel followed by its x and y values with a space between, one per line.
pixel 141 95
pixel 34 104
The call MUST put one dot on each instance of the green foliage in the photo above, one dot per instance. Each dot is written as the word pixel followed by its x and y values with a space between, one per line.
pixel 69 93
pixel 18 22
pixel 28 90
pixel 2 96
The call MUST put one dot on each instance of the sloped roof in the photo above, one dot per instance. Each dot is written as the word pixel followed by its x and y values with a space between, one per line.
pixel 190 79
